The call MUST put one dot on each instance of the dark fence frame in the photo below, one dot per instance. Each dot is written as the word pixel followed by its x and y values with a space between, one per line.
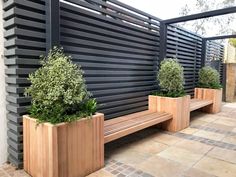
pixel 223 66
pixel 33 27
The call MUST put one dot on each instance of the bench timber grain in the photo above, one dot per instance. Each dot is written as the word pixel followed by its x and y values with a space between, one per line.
pixel 125 125
pixel 199 103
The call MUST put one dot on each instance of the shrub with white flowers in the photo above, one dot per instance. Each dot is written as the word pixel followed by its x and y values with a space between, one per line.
pixel 58 90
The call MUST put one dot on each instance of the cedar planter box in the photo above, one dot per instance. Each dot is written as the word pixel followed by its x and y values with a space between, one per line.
pixel 65 149
pixel 178 107
pixel 210 94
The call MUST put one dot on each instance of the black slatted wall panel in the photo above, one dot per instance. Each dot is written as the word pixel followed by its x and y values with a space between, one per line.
pixel 25 41
pixel 118 52
pixel 186 47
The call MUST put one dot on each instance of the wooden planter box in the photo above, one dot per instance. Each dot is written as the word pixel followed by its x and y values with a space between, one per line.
pixel 210 94
pixel 65 149
pixel 178 107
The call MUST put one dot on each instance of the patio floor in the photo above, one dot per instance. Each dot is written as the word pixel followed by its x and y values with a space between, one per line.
pixel 206 149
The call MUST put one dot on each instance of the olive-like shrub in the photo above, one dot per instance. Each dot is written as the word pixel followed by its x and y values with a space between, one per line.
pixel 171 79
pixel 209 78
pixel 58 90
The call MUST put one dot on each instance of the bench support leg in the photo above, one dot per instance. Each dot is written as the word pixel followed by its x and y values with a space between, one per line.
pixel 178 107
pixel 210 94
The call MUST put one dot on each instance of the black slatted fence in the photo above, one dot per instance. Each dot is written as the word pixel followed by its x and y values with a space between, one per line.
pixel 117 50
pixel 186 47
pixel 25 36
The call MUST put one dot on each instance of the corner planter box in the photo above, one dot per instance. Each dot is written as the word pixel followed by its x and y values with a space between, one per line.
pixel 65 149
pixel 178 107
pixel 210 94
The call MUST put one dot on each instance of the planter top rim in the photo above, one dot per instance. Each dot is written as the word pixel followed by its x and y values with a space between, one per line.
pixel 62 123
pixel 207 88
pixel 171 97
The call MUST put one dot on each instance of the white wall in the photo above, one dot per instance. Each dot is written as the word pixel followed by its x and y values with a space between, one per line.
pixel 231 54
pixel 3 120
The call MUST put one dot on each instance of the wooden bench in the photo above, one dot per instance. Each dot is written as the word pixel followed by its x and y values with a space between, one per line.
pixel 174 112
pixel 199 103
pixel 125 125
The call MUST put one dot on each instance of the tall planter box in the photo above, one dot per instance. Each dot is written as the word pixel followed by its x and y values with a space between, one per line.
pixel 210 94
pixel 65 149
pixel 178 107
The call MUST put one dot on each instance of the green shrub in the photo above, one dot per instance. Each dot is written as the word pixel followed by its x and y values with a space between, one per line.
pixel 171 79
pixel 209 78
pixel 58 90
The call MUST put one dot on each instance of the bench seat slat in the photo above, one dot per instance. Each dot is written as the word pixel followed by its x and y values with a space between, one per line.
pixel 122 127
pixel 136 118
pixel 198 103
pixel 132 122
pixel 126 117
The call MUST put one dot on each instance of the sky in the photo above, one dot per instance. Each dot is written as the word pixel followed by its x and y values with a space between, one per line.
pixel 166 9
pixel 163 9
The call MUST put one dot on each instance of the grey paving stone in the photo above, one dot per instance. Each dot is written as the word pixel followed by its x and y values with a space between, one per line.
pixel 121 175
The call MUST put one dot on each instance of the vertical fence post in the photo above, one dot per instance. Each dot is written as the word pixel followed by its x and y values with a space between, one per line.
pixel 204 50
pixel 52 23
pixel 163 40
pixel 195 67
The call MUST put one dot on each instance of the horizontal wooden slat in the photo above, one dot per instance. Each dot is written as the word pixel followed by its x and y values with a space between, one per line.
pixel 68 11
pixel 72 41
pixel 112 14
pixel 123 40
pixel 83 28
pixel 126 125
pixel 19 21
pixel 183 32
pixel 125 12
pixel 134 9
pixel 23 13
pixel 197 103
pixel 125 118
pixel 109 53
pixel 30 4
